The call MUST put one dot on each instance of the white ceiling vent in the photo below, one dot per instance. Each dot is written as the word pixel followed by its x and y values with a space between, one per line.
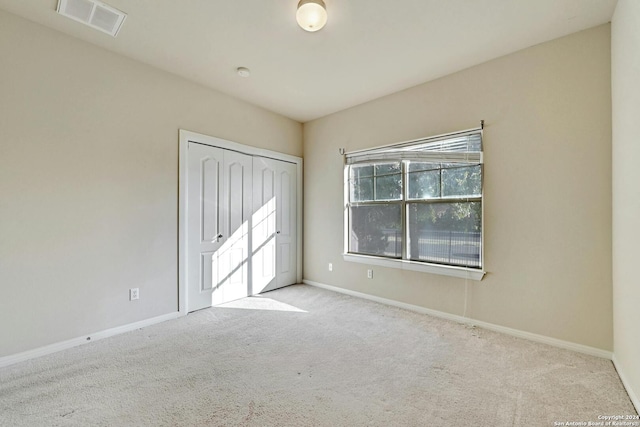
pixel 94 14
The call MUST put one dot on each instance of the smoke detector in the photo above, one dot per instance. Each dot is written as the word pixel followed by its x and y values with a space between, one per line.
pixel 93 13
pixel 243 71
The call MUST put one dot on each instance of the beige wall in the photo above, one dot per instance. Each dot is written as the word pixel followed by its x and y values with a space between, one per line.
pixel 547 188
pixel 625 73
pixel 88 186
pixel 89 181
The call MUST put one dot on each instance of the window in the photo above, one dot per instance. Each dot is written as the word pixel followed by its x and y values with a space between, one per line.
pixel 417 203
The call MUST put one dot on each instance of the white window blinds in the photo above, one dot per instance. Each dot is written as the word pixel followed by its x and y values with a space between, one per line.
pixel 459 147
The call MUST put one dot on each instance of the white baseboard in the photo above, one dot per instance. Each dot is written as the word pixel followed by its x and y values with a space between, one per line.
pixel 592 351
pixel 625 382
pixel 63 345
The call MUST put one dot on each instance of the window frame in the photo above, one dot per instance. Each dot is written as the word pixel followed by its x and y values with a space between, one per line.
pixel 404 263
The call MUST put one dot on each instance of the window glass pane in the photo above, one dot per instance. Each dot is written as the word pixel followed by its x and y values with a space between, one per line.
pixel 388 181
pixel 422 166
pixel 361 183
pixel 461 181
pixel 424 180
pixel 376 230
pixel 387 168
pixel 445 233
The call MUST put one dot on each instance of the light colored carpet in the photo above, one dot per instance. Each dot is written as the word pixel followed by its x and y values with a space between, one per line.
pixel 308 357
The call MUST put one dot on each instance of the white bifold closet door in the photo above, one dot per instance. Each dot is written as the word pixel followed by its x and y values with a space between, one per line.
pixel 274 225
pixel 241 229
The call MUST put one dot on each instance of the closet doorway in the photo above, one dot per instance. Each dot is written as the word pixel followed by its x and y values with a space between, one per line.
pixel 239 221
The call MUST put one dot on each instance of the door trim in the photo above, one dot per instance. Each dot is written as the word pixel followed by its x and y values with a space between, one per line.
pixel 188 136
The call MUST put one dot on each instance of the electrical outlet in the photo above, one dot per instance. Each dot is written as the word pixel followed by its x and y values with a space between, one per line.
pixel 369 274
pixel 134 293
pixel 330 267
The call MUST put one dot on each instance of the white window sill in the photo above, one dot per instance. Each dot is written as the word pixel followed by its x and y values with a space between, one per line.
pixel 445 270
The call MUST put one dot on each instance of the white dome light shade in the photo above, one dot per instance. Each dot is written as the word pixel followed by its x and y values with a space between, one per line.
pixel 311 15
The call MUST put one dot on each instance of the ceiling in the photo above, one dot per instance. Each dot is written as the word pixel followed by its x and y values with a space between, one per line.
pixel 369 48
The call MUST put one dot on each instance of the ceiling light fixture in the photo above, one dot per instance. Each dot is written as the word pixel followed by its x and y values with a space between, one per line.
pixel 311 15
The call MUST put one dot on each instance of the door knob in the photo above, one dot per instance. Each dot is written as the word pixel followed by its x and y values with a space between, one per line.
pixel 278 232
pixel 218 237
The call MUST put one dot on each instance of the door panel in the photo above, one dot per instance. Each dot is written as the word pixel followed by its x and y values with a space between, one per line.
pixel 286 201
pixel 286 223
pixel 274 224
pixel 233 255
pixel 284 258
pixel 206 279
pixel 203 222
pixel 209 183
pixel 263 227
